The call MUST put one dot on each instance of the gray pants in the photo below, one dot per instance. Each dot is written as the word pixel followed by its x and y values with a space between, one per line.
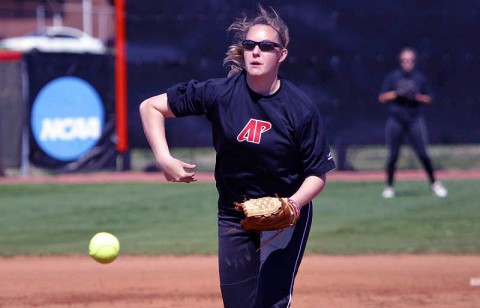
pixel 416 132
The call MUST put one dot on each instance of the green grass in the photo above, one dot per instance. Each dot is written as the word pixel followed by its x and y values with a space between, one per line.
pixel 147 218
pixel 361 158
pixel 465 156
pixel 349 218
pixel 352 218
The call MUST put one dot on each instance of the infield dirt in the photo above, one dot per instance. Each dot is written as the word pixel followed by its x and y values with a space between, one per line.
pixel 192 281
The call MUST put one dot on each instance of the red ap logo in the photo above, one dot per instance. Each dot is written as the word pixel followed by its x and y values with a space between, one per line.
pixel 252 132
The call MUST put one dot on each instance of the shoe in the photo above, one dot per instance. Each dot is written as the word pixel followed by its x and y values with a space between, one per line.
pixel 439 190
pixel 388 192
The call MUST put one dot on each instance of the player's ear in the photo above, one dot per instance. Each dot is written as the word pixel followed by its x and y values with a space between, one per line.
pixel 283 55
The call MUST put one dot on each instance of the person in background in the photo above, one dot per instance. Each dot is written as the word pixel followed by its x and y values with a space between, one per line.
pixel 406 90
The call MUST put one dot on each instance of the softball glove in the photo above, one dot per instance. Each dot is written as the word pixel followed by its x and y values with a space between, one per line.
pixel 268 213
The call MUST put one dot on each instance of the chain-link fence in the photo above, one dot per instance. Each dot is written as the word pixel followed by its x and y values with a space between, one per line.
pixel 93 17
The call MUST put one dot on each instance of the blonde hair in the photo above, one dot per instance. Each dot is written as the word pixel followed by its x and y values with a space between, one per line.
pixel 234 59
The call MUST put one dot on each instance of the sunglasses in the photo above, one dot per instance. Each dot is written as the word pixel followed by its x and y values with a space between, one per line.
pixel 264 45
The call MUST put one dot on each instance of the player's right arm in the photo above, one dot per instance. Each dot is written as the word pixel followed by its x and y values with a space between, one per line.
pixel 153 112
pixel 387 90
pixel 386 97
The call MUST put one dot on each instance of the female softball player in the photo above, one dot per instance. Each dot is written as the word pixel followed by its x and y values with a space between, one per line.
pixel 269 139
pixel 406 90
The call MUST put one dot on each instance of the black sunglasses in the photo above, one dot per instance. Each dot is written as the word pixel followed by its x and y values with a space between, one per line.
pixel 264 46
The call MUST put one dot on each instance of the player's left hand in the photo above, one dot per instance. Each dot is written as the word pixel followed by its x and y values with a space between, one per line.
pixel 268 213
pixel 423 98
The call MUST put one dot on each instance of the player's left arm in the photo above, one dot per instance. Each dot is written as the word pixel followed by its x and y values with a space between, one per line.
pixel 311 187
pixel 423 98
pixel 426 93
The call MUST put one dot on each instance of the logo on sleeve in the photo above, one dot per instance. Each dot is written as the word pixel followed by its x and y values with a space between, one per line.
pixel 252 132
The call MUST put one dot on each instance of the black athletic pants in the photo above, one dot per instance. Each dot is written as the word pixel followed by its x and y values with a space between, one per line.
pixel 260 278
pixel 416 132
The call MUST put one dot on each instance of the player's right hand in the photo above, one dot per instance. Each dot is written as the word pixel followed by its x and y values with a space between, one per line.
pixel 174 170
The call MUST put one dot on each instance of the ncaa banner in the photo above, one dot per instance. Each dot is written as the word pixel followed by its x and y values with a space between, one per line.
pixel 71 111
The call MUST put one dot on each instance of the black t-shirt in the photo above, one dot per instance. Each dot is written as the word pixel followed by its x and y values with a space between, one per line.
pixel 406 85
pixel 265 144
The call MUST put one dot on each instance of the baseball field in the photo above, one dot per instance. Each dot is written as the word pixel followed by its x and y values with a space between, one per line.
pixel 364 251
